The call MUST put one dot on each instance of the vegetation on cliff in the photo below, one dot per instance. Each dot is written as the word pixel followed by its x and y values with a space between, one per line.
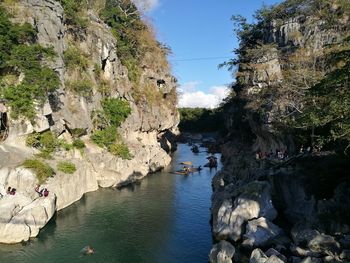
pixel 21 58
pixel 296 85
pixel 114 112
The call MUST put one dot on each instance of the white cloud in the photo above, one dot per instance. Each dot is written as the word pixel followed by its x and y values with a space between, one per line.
pixel 191 97
pixel 146 5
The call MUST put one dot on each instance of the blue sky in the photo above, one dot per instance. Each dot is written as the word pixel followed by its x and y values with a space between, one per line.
pixel 196 29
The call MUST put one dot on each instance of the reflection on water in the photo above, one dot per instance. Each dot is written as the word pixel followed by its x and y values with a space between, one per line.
pixel 164 218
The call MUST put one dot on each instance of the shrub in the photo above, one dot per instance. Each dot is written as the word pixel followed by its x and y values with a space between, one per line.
pixel 79 144
pixel 66 167
pixel 105 137
pixel 46 141
pixel 75 58
pixel 73 11
pixel 77 132
pixel 82 87
pixel 121 150
pixel 41 169
pixel 116 110
pixel 65 145
pixel 19 55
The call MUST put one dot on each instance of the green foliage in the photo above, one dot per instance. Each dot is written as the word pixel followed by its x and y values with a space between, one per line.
pixel 78 144
pixel 73 11
pixel 18 55
pixel 82 87
pixel 66 167
pixel 20 101
pixel 75 58
pixel 46 142
pixel 201 119
pixel 41 169
pixel 116 110
pixel 65 145
pixel 126 24
pixel 106 137
pixel 312 101
pixel 328 102
pixel 77 132
pixel 134 37
pixel 121 150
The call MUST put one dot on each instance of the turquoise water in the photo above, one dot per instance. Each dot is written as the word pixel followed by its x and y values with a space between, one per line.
pixel 164 218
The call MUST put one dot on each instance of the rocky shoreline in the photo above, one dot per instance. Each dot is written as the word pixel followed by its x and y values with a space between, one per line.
pixel 22 215
pixel 267 213
pixel 88 59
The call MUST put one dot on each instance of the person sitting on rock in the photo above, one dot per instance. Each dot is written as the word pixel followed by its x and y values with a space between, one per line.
pixel 38 191
pixel 8 190
pixel 13 191
pixel 46 192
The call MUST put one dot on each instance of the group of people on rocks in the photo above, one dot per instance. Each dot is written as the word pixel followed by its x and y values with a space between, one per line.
pixel 42 192
pixel 11 191
pixel 278 154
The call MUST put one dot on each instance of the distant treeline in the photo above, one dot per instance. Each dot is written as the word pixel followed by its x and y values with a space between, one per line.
pixel 201 120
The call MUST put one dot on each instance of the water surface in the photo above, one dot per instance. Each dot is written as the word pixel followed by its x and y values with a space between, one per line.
pixel 164 218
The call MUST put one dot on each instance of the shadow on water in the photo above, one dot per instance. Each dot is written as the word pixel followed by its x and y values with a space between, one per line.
pixel 163 218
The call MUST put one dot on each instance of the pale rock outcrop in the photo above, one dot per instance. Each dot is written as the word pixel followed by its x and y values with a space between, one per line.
pixel 252 200
pixel 145 130
pixel 69 188
pixel 258 256
pixel 22 218
pixel 311 260
pixel 260 232
pixel 324 244
pixel 272 251
pixel 222 252
pixel 22 179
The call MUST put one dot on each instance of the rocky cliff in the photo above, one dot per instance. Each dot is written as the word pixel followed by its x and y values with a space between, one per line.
pixel 273 201
pixel 90 74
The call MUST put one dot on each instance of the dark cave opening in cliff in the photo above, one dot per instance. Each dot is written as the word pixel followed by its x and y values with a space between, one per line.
pixel 3 125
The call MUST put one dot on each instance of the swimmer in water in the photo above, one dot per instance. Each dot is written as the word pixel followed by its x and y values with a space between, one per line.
pixel 88 250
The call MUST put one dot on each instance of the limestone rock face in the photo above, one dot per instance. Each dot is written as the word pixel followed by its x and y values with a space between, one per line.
pixel 22 218
pixel 324 244
pixel 222 253
pixel 258 256
pixel 147 131
pixel 311 260
pixel 250 201
pixel 260 232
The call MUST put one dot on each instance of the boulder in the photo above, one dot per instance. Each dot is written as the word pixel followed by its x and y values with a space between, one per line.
pixel 332 259
pixel 222 252
pixel 324 244
pixel 273 251
pixel 28 217
pixel 301 252
pixel 302 236
pixel 311 260
pixel 258 256
pixel 250 201
pixel 260 232
pixel 274 259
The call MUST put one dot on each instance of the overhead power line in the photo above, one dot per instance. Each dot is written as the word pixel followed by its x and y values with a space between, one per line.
pixel 195 59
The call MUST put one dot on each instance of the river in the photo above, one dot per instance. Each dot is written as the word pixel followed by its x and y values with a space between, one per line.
pixel 163 218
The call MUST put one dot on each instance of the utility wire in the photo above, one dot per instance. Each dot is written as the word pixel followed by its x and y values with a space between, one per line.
pixel 196 59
